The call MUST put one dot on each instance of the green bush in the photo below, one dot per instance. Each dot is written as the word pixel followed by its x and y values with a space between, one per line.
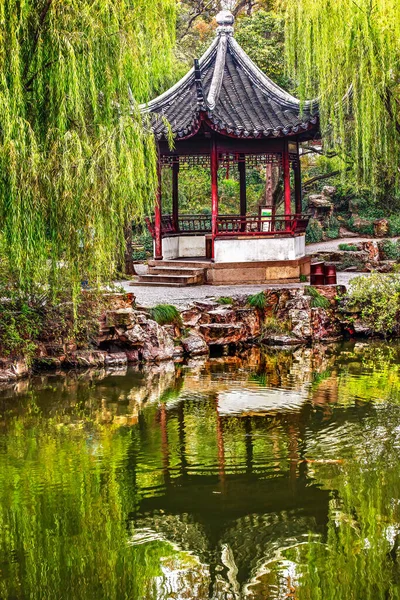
pixel 348 247
pixel 332 228
pixel 166 314
pixel 391 250
pixel 314 232
pixel 377 298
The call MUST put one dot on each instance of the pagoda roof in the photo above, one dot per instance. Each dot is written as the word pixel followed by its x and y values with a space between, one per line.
pixel 228 91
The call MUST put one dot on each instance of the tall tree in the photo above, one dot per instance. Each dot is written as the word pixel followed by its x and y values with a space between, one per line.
pixel 350 49
pixel 76 163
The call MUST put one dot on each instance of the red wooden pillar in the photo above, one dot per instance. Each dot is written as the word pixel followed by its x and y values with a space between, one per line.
pixel 243 195
pixel 214 193
pixel 298 192
pixel 157 220
pixel 286 182
pixel 175 203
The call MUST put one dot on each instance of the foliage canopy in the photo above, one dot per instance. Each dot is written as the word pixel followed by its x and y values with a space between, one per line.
pixel 343 47
pixel 76 163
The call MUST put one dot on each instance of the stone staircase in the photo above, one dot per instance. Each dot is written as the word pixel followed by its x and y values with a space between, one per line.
pixel 173 273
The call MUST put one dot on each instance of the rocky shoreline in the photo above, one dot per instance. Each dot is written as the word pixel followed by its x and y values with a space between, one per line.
pixel 128 335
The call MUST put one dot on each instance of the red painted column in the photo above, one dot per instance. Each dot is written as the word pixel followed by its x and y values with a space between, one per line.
pixel 214 193
pixel 175 204
pixel 297 184
pixel 286 182
pixel 157 220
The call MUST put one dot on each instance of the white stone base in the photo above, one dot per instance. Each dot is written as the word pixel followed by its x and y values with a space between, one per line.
pixel 183 246
pixel 239 250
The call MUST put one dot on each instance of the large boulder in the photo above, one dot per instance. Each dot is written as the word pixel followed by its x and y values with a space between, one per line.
pixel 381 228
pixel 195 345
pixel 221 334
pixel 157 344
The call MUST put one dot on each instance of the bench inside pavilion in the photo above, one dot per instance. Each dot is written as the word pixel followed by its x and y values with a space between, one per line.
pixel 226 112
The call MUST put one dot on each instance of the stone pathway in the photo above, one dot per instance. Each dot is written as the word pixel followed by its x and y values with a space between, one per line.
pixel 182 297
pixel 332 245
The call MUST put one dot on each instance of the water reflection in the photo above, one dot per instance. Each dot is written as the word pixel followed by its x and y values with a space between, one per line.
pixel 269 475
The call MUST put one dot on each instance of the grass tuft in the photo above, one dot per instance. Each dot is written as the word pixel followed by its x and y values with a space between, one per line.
pixel 225 300
pixel 166 314
pixel 317 300
pixel 258 301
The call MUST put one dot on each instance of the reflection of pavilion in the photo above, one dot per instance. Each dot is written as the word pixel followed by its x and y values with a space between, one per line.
pixel 238 491
pixel 234 508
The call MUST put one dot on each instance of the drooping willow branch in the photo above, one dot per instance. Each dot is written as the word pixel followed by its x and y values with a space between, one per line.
pixel 76 163
pixel 334 46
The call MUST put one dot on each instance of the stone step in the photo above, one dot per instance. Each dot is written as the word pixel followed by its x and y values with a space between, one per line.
pixel 166 279
pixel 156 284
pixel 175 271
pixel 184 264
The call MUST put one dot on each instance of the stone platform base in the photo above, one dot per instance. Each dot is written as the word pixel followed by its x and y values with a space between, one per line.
pixel 258 272
pixel 232 273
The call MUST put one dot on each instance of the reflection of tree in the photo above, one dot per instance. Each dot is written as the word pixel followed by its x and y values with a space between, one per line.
pixel 138 486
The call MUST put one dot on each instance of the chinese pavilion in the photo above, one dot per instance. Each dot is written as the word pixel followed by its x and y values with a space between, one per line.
pixel 224 112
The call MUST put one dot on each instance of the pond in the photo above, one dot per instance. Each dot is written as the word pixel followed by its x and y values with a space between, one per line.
pixel 269 475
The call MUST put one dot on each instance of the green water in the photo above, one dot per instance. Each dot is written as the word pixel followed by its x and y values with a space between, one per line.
pixel 272 475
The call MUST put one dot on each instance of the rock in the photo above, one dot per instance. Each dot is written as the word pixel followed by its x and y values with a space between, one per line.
pixel 195 345
pixel 361 328
pixel 86 358
pixel 116 360
pixel 359 223
pixel 49 362
pixel 222 315
pixel 372 249
pixel 220 334
pixel 329 191
pixel 251 321
pixel 121 317
pixel 282 340
pixel 191 317
pixel 132 356
pixel 13 370
pixel 381 228
pixel 178 353
pixel 206 304
pixel 301 323
pixel 386 266
pixel 131 337
pixel 120 300
pixel 319 201
pixel 157 344
pixel 325 326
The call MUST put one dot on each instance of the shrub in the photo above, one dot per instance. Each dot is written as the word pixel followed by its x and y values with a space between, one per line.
pixel 303 278
pixel 391 250
pixel 332 228
pixel 348 247
pixel 258 301
pixel 377 298
pixel 314 232
pixel 166 314
pixel 317 300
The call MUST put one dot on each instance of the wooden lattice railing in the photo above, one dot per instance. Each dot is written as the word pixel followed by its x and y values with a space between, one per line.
pixel 233 225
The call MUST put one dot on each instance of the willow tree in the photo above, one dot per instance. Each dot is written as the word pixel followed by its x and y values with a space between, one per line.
pixel 347 53
pixel 76 163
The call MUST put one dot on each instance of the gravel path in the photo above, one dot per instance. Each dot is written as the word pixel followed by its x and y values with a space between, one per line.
pixel 182 297
pixel 332 245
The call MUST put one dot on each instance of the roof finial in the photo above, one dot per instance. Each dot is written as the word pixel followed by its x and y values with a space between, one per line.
pixel 225 20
